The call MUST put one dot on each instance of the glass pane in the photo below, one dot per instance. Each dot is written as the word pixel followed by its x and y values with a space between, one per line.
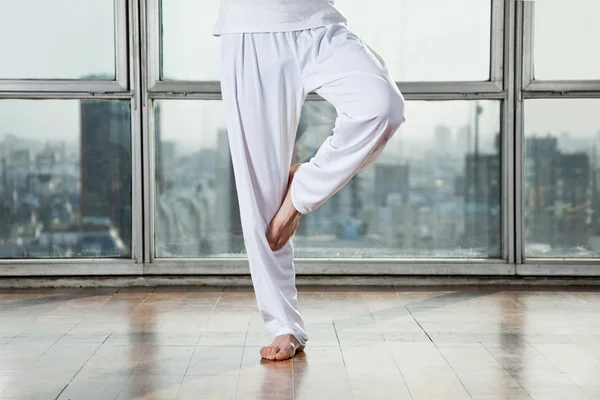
pixel 435 191
pixel 189 51
pixel 68 39
pixel 566 40
pixel 196 211
pixel 420 41
pixel 65 178
pixel 433 40
pixel 562 178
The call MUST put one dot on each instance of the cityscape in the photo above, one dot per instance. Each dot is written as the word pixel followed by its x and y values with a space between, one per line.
pixel 63 199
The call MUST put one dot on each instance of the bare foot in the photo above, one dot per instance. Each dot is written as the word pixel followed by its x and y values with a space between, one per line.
pixel 285 222
pixel 283 347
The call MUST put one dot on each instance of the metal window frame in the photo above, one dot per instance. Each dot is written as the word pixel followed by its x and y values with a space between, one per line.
pixel 130 71
pixel 510 116
pixel 542 266
pixel 553 267
pixel 120 84
pixel 529 83
pixel 528 88
pixel 518 135
pixel 148 53
pixel 136 186
pixel 69 267
pixel 338 266
pixel 137 131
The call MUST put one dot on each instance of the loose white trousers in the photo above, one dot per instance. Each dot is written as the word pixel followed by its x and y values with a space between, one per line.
pixel 265 80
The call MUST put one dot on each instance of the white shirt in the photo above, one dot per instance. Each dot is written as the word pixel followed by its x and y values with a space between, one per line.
pixel 255 16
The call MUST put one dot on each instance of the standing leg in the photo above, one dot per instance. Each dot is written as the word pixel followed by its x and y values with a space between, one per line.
pixel 263 95
pixel 344 71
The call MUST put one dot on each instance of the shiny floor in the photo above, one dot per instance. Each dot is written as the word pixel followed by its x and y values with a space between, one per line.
pixel 367 343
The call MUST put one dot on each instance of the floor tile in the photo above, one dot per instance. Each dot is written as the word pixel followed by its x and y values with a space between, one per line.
pixel 34 387
pixel 215 361
pixel 378 386
pixel 208 387
pixel 156 387
pixel 90 386
pixel 165 360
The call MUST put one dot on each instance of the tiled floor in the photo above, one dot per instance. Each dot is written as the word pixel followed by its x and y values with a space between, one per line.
pixel 202 343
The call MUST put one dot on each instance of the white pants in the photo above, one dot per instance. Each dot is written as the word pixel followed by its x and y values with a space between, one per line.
pixel 265 80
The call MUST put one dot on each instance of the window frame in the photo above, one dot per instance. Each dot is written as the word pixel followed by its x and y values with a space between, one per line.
pixel 119 85
pixel 129 72
pixel 529 83
pixel 493 85
pixel 526 88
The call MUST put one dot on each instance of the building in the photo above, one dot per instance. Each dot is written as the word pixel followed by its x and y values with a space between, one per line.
pixel 573 192
pixel 558 195
pixel 391 179
pixel 228 238
pixel 482 191
pixel 463 141
pixel 442 137
pixel 106 164
pixel 541 158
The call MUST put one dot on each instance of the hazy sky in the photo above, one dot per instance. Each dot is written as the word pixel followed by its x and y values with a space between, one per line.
pixel 419 40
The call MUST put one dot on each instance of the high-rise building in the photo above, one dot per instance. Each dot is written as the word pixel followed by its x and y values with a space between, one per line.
pixel 227 222
pixel 541 160
pixel 482 202
pixel 106 165
pixel 463 141
pixel 573 191
pixel 396 220
pixel 391 179
pixel 558 194
pixel 442 137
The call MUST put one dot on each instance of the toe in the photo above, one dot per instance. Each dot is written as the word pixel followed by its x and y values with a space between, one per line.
pixel 264 351
pixel 269 352
pixel 272 352
pixel 285 354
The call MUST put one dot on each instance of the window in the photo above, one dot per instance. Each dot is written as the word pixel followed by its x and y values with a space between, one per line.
pixel 196 213
pixel 94 164
pixel 434 192
pixel 424 41
pixel 420 41
pixel 188 52
pixel 562 178
pixel 65 179
pixel 566 40
pixel 70 39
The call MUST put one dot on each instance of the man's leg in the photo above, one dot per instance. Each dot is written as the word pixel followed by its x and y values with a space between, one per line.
pixel 347 73
pixel 263 95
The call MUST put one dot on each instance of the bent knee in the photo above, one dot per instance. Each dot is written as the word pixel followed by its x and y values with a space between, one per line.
pixel 387 106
